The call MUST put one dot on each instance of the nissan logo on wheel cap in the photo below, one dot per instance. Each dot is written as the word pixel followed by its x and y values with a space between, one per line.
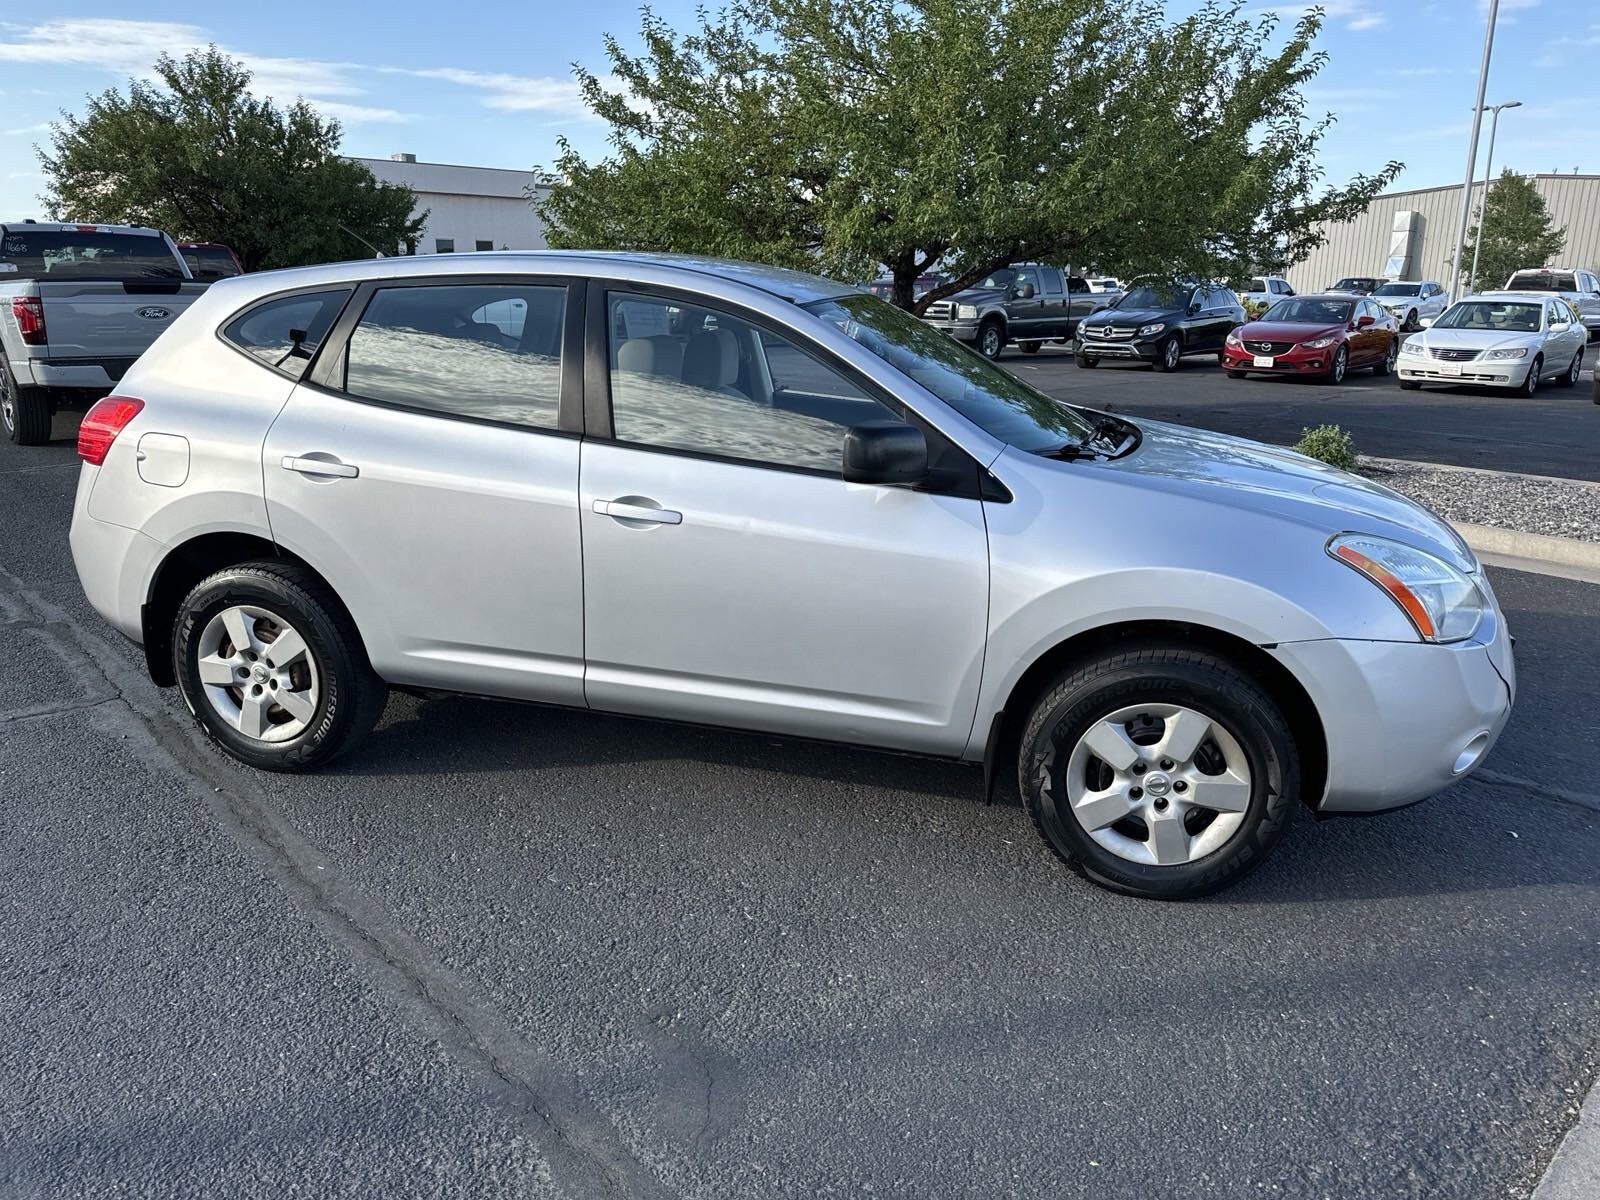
pixel 154 314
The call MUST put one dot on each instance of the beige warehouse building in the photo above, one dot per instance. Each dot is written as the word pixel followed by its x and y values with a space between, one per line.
pixel 1410 235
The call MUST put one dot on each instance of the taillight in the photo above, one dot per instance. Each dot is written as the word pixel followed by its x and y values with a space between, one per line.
pixel 29 312
pixel 102 423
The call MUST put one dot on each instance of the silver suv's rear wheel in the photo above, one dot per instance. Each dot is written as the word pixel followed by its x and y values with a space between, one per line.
pixel 1159 770
pixel 258 674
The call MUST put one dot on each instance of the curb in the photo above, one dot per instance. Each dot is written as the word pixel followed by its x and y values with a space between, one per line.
pixel 1574 1172
pixel 1539 547
pixel 1415 463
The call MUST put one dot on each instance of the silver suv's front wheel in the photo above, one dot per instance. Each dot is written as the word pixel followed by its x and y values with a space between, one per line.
pixel 1158 770
pixel 271 666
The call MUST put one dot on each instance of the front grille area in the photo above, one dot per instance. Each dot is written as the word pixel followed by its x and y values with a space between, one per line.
pixel 1444 354
pixel 940 310
pixel 1109 332
pixel 1272 348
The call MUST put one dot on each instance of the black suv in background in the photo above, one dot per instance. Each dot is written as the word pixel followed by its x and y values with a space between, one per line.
pixel 1159 323
pixel 1029 304
pixel 1358 285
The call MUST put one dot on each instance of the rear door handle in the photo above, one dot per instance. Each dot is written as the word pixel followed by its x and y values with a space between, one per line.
pixel 621 510
pixel 320 466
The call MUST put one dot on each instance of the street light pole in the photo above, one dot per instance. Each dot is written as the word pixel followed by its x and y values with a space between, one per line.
pixel 1488 180
pixel 1472 151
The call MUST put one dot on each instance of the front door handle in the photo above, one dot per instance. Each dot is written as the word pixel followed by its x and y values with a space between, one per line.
pixel 623 510
pixel 320 466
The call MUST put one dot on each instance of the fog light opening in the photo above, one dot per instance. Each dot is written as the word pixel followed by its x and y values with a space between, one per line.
pixel 1470 754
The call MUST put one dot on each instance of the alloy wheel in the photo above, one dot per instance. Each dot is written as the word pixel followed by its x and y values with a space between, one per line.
pixel 8 400
pixel 258 674
pixel 1158 784
pixel 990 343
pixel 1340 359
pixel 1576 369
pixel 1169 354
pixel 1392 357
pixel 1412 324
pixel 1531 384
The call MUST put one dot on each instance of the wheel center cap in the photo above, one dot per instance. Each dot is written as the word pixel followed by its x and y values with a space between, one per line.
pixel 1157 784
pixel 259 673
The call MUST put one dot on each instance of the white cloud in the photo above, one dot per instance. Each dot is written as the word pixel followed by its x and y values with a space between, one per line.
pixel 511 93
pixel 41 127
pixel 130 48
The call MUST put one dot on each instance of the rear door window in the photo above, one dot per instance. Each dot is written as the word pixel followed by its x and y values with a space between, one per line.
pixel 489 352
pixel 1052 283
pixel 285 332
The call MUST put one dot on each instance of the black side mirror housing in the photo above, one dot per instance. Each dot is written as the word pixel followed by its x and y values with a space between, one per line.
pixel 885 452
pixel 1193 309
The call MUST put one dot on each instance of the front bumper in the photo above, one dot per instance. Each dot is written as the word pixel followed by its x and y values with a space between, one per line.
pixel 961 330
pixel 1480 372
pixel 1139 349
pixel 1404 720
pixel 1297 361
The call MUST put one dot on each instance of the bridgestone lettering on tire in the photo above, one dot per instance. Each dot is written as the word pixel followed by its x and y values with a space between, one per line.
pixel 1230 781
pixel 316 699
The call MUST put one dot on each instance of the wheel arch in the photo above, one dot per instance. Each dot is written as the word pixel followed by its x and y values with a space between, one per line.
pixel 1278 681
pixel 185 565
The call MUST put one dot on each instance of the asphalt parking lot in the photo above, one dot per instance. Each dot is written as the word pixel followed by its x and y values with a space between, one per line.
pixel 505 950
pixel 1555 433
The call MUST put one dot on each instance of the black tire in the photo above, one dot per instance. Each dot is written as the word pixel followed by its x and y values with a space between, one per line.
pixel 1390 357
pixel 1156 673
pixel 991 339
pixel 1237 374
pixel 25 412
pixel 351 695
pixel 1089 360
pixel 1411 324
pixel 1169 354
pixel 1530 385
pixel 1337 368
pixel 1569 377
pixel 1410 385
pixel 1029 347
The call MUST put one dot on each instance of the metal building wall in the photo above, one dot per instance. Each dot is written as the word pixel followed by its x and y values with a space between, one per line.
pixel 1358 247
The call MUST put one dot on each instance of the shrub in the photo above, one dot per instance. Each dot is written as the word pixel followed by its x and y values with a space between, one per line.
pixel 1329 444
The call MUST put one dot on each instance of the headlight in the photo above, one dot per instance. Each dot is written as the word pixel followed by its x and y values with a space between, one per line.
pixel 1413 347
pixel 1443 604
pixel 1512 352
pixel 1147 330
pixel 1320 343
pixel 1234 339
pixel 966 312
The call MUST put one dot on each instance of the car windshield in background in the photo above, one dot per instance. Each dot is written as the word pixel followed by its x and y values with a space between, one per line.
pixel 1492 316
pixel 1543 281
pixel 51 254
pixel 209 262
pixel 1310 312
pixel 1398 289
pixel 1361 284
pixel 1148 295
pixel 988 396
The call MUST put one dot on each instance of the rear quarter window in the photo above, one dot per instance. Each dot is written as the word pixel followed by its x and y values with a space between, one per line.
pixel 284 332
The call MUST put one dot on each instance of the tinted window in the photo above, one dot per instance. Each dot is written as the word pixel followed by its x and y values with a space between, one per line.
pixel 286 332
pixel 1257 285
pixel 1221 298
pixel 690 378
pixel 1052 283
pixel 53 255
pixel 1397 289
pixel 482 245
pixel 1542 281
pixel 1028 276
pixel 1076 285
pixel 444 245
pixel 210 262
pixel 460 350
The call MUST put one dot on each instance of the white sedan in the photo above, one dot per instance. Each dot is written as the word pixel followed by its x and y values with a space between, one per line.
pixel 1500 339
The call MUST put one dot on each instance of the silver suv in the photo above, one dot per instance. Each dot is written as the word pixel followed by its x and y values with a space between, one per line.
pixel 723 493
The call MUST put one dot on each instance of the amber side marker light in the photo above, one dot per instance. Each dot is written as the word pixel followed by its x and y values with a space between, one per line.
pixel 1391 583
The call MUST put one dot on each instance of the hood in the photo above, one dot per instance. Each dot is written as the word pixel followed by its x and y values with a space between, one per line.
pixel 978 295
pixel 1475 339
pixel 1279 482
pixel 1124 317
pixel 1284 331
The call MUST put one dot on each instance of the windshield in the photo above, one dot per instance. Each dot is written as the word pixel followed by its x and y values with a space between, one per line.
pixel 1543 281
pixel 1155 295
pixel 51 255
pixel 988 396
pixel 1398 289
pixel 1360 284
pixel 1310 312
pixel 1493 316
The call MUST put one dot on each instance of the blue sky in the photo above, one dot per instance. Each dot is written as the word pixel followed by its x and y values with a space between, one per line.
pixel 490 83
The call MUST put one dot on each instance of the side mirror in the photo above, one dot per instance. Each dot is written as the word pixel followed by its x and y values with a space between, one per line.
pixel 1288 291
pixel 1425 322
pixel 1024 291
pixel 1193 309
pixel 1560 326
pixel 886 452
pixel 1363 321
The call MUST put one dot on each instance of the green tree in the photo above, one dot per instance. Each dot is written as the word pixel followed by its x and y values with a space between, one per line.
pixel 198 156
pixel 1516 231
pixel 957 136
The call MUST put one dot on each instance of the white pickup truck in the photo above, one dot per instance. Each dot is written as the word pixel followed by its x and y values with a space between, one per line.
pixel 78 303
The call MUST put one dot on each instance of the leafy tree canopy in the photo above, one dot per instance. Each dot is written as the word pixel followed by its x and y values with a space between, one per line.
pixel 1516 229
pixel 198 156
pixel 957 136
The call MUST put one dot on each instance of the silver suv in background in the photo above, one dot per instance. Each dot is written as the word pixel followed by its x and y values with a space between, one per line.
pixel 1413 302
pixel 714 492
pixel 1579 288
pixel 1028 304
pixel 78 303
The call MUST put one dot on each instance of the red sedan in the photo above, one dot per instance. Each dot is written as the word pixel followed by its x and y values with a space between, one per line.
pixel 1325 336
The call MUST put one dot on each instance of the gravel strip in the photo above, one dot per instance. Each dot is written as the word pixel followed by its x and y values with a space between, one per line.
pixel 1567 508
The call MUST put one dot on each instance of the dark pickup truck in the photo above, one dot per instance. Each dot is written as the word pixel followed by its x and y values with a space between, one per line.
pixel 1029 304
